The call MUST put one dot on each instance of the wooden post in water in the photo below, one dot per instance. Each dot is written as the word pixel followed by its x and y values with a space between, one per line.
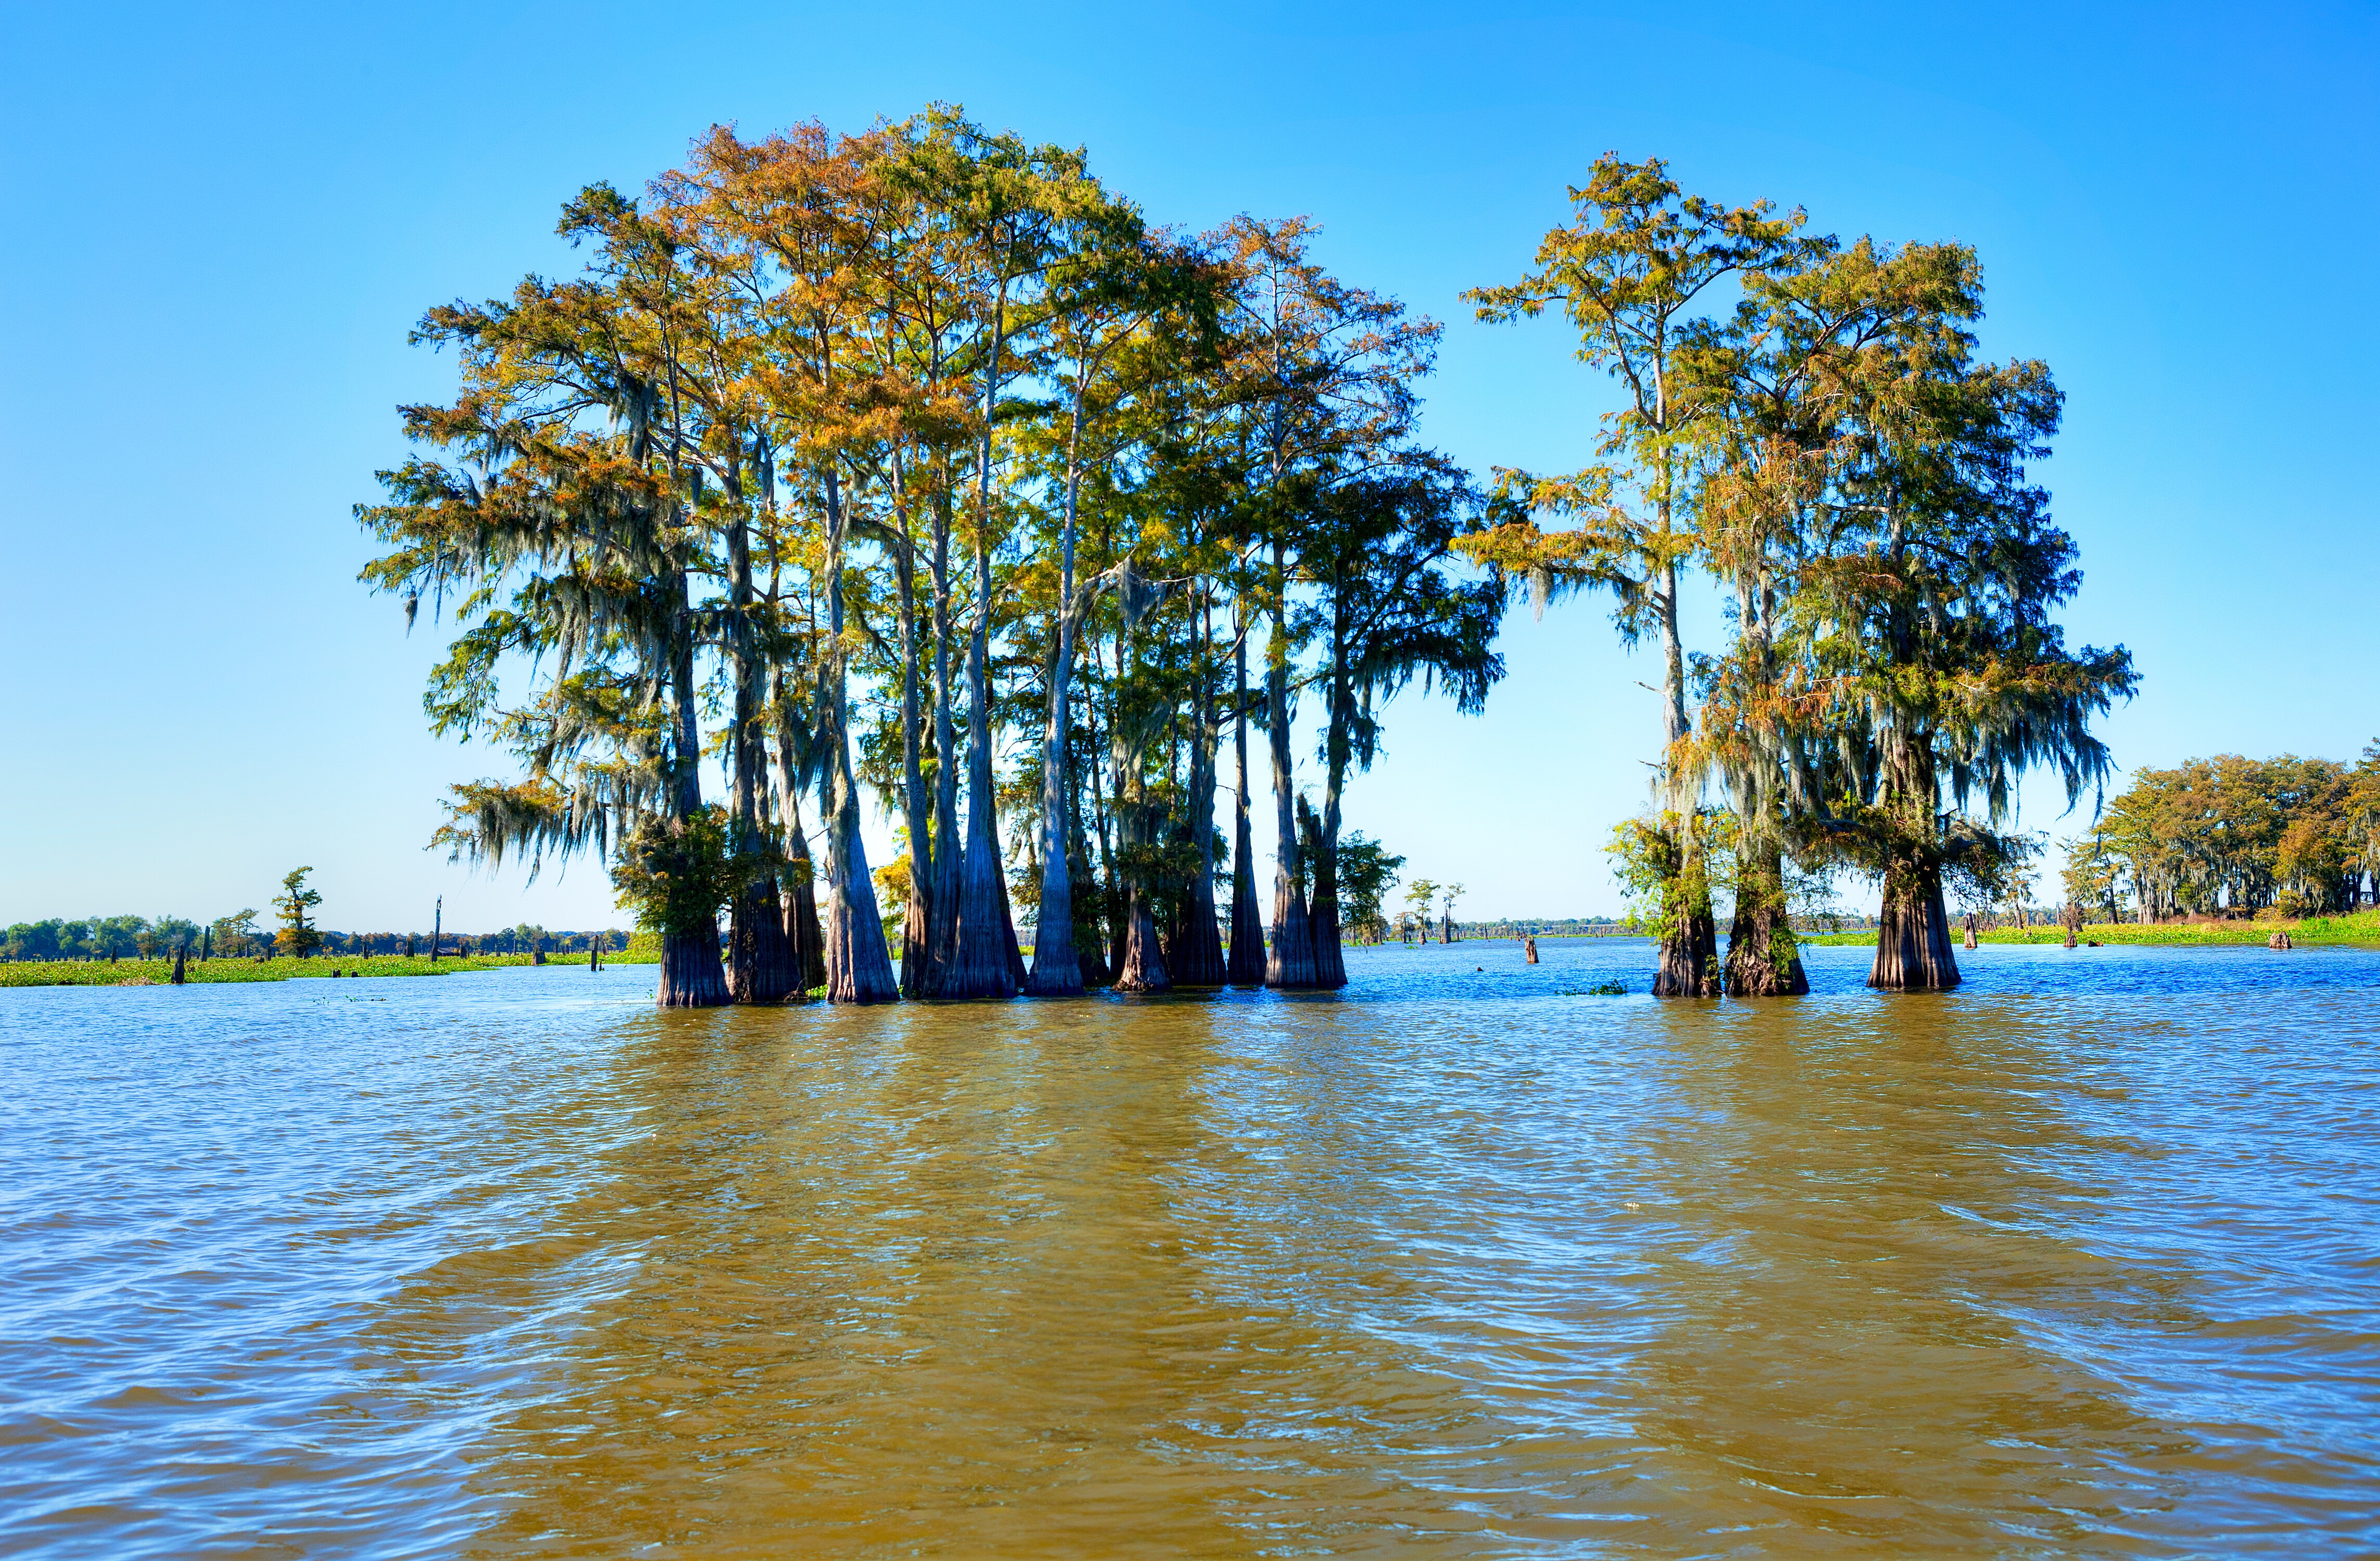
pixel 1530 948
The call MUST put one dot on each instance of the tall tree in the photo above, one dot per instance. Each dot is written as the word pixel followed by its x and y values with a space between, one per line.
pixel 1328 371
pixel 1385 613
pixel 1923 611
pixel 1631 272
pixel 572 488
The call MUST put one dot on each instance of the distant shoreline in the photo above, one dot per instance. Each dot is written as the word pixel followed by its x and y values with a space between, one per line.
pixel 218 972
pixel 2358 931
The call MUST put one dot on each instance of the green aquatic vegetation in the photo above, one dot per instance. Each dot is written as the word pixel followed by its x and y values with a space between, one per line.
pixel 159 972
pixel 2361 929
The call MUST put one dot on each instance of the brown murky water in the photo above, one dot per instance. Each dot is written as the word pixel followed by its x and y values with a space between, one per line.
pixel 2079 1260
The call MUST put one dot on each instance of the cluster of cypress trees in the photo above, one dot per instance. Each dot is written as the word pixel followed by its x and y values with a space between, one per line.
pixel 1808 423
pixel 890 457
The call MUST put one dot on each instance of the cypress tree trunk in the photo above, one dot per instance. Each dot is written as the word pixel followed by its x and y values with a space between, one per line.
pixel 760 966
pixel 805 943
pixel 915 925
pixel 764 967
pixel 1322 834
pixel 1090 938
pixel 691 976
pixel 1247 958
pixel 1112 885
pixel 942 901
pixel 1144 965
pixel 1017 973
pixel 1290 966
pixel 1913 939
pixel 1057 966
pixel 1195 957
pixel 803 928
pixel 1689 958
pixel 1330 962
pixel 858 968
pixel 1689 952
pixel 1764 960
pixel 981 967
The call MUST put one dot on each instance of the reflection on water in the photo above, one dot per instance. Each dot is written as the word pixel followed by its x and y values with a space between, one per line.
pixel 2078 1260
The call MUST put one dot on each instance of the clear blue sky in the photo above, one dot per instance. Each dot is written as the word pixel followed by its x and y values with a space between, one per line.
pixel 222 219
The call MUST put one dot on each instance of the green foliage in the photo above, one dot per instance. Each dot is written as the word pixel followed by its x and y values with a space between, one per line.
pixel 2361 930
pixel 677 874
pixel 136 973
pixel 2246 835
pixel 1663 884
pixel 298 935
pixel 1367 870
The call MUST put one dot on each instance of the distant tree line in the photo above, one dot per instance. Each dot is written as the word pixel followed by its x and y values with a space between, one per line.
pixel 112 938
pixel 238 936
pixel 2233 836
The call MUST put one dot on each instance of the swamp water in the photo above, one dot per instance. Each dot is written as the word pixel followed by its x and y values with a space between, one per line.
pixel 2082 1259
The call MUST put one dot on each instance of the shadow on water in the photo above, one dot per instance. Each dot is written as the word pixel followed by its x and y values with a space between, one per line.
pixel 965 1280
pixel 1872 1245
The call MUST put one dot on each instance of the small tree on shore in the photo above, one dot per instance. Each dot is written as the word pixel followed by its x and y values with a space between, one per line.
pixel 1367 870
pixel 298 937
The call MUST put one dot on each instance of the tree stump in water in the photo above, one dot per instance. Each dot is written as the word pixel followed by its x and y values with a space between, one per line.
pixel 1971 932
pixel 1529 950
pixel 181 954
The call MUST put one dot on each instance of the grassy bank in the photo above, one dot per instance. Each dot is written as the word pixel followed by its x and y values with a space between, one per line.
pixel 157 972
pixel 2361 930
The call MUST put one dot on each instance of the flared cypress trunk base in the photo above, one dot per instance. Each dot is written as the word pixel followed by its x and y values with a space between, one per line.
pixel 858 969
pixel 1912 937
pixel 1689 966
pixel 1057 968
pixel 1144 967
pixel 980 967
pixel 762 967
pixel 1290 967
pixel 1763 960
pixel 1330 960
pixel 691 973
pixel 913 949
pixel 1196 953
pixel 1246 967
pixel 1059 977
pixel 804 930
